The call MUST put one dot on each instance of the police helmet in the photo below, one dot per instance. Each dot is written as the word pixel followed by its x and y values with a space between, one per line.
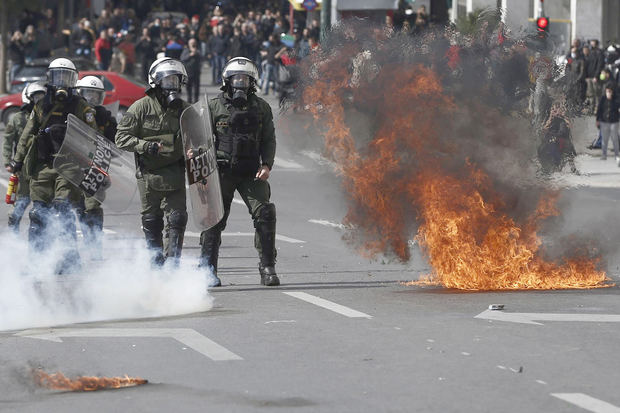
pixel 239 66
pixel 91 88
pixel 61 73
pixel 169 69
pixel 29 92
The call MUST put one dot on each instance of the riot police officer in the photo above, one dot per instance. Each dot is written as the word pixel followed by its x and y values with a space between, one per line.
pixel 90 213
pixel 30 95
pixel 246 145
pixel 53 197
pixel 150 128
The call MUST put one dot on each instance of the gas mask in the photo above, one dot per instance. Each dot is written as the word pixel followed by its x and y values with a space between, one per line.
pixel 61 80
pixel 240 85
pixel 171 90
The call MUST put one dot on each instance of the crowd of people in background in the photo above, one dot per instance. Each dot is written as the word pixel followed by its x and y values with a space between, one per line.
pixel 595 78
pixel 119 41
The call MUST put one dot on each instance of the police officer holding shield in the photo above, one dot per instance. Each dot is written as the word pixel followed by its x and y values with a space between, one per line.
pixel 53 197
pixel 90 213
pixel 150 128
pixel 246 145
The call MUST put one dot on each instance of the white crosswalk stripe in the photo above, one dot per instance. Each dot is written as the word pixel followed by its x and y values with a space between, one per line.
pixel 329 305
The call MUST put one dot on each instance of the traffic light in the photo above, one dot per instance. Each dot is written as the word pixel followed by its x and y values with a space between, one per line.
pixel 542 24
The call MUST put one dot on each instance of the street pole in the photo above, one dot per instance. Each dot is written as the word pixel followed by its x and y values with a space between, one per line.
pixel 4 44
pixel 326 8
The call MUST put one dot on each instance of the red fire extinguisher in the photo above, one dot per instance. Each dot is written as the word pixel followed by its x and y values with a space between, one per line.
pixel 11 192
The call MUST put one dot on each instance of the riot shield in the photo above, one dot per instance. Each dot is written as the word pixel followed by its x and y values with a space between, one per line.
pixel 205 193
pixel 96 166
pixel 113 108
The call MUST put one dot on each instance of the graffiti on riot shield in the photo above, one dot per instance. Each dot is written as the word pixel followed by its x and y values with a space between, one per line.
pixel 205 193
pixel 97 175
pixel 95 165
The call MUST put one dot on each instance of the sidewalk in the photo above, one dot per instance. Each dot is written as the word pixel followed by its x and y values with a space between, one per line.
pixel 594 172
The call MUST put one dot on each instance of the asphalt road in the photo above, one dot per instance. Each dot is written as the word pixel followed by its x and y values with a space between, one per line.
pixel 341 334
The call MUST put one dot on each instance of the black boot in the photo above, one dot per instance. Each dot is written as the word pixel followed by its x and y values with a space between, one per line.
pixel 39 219
pixel 265 227
pixel 153 225
pixel 210 241
pixel 175 234
pixel 13 223
pixel 16 215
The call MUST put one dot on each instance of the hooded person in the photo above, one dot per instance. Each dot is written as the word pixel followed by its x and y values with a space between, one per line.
pixel 14 128
pixel 54 197
pixel 245 142
pixel 151 130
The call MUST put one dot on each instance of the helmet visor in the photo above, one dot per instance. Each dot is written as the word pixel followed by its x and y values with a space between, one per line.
pixel 171 82
pixel 240 81
pixel 94 97
pixel 61 77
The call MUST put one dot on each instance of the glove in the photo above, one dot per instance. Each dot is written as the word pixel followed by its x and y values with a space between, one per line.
pixel 16 166
pixel 152 148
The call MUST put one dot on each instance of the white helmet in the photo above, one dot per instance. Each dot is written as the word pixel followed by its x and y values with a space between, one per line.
pixel 164 67
pixel 62 73
pixel 91 88
pixel 30 90
pixel 239 66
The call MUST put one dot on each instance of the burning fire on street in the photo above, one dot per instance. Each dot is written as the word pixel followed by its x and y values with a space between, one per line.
pixel 429 170
pixel 58 381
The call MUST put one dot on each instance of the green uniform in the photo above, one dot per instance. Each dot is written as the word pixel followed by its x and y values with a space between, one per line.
pixel 54 198
pixel 13 131
pixel 90 211
pixel 161 177
pixel 37 153
pixel 255 131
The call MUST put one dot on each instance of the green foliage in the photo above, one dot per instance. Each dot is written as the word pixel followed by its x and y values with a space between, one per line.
pixel 480 19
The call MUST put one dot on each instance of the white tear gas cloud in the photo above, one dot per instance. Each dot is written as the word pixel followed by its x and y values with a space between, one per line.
pixel 123 285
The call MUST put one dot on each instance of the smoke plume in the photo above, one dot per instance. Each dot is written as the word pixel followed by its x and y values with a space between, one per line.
pixel 434 138
pixel 122 285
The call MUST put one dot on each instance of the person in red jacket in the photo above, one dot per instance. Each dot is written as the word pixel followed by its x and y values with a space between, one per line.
pixel 103 51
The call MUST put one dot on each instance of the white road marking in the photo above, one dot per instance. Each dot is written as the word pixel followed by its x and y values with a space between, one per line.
pixel 287 164
pixel 191 338
pixel 327 223
pixel 337 308
pixel 587 402
pixel 238 201
pixel 541 382
pixel 528 318
pixel 280 321
pixel 248 234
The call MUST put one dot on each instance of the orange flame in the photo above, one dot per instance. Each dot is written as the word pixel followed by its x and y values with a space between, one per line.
pixel 58 381
pixel 470 242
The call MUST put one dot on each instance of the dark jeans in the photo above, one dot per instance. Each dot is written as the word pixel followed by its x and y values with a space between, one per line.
pixel 217 66
pixel 193 88
pixel 14 69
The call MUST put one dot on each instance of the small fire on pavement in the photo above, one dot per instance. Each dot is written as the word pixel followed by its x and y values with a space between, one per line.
pixel 58 381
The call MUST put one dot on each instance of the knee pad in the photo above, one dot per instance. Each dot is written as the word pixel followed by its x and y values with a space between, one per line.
pixel 211 236
pixel 266 213
pixel 61 206
pixel 152 222
pixel 177 219
pixel 39 213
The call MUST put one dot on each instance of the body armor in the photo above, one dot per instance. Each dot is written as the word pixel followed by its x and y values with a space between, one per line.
pixel 239 141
